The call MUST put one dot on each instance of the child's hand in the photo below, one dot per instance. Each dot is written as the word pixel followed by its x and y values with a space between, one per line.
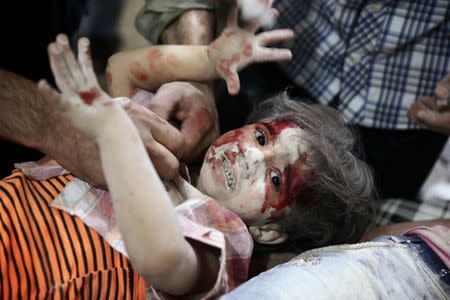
pixel 81 96
pixel 237 48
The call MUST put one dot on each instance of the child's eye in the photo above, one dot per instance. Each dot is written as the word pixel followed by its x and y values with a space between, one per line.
pixel 275 179
pixel 260 137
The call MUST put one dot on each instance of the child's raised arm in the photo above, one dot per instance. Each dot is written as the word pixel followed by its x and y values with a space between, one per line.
pixel 149 68
pixel 146 217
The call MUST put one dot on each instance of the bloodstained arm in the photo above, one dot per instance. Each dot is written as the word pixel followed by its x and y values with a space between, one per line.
pixel 150 67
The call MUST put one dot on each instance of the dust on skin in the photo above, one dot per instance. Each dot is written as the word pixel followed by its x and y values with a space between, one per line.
pixel 247 48
pixel 155 55
pixel 225 65
pixel 224 68
pixel 293 177
pixel 296 175
pixel 138 72
pixel 157 58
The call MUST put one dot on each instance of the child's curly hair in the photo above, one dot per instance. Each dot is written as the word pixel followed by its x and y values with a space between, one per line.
pixel 342 194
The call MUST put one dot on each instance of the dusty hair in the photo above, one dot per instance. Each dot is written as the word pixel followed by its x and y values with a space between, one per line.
pixel 341 194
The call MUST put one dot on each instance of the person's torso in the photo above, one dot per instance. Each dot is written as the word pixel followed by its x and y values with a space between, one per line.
pixel 378 57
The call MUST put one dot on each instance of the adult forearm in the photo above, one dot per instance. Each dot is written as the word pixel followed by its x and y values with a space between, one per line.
pixel 30 119
pixel 22 111
pixel 193 27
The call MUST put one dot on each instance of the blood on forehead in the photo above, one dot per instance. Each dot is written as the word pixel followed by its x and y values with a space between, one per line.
pixel 275 127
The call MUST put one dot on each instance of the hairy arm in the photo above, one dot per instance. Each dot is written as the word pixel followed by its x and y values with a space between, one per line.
pixel 22 110
pixel 29 118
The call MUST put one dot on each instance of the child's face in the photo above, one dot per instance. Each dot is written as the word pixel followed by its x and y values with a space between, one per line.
pixel 256 171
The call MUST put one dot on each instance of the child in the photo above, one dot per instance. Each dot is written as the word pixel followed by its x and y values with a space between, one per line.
pixel 289 175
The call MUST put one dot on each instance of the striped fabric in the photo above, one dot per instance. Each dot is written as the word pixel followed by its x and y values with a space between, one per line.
pixel 60 239
pixel 396 210
pixel 46 253
pixel 203 220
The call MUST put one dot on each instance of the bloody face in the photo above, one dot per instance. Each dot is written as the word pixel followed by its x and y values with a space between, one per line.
pixel 257 171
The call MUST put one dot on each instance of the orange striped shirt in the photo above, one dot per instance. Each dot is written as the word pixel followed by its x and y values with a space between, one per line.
pixel 47 253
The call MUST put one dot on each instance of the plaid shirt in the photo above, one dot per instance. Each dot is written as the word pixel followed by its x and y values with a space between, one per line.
pixel 377 56
pixel 206 221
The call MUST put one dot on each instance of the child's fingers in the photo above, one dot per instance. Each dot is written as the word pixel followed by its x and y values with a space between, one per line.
pixel 233 83
pixel 274 36
pixel 58 65
pixel 272 54
pixel 72 64
pixel 85 60
pixel 47 90
pixel 50 93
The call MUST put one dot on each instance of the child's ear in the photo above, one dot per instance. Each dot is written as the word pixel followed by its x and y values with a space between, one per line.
pixel 269 234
